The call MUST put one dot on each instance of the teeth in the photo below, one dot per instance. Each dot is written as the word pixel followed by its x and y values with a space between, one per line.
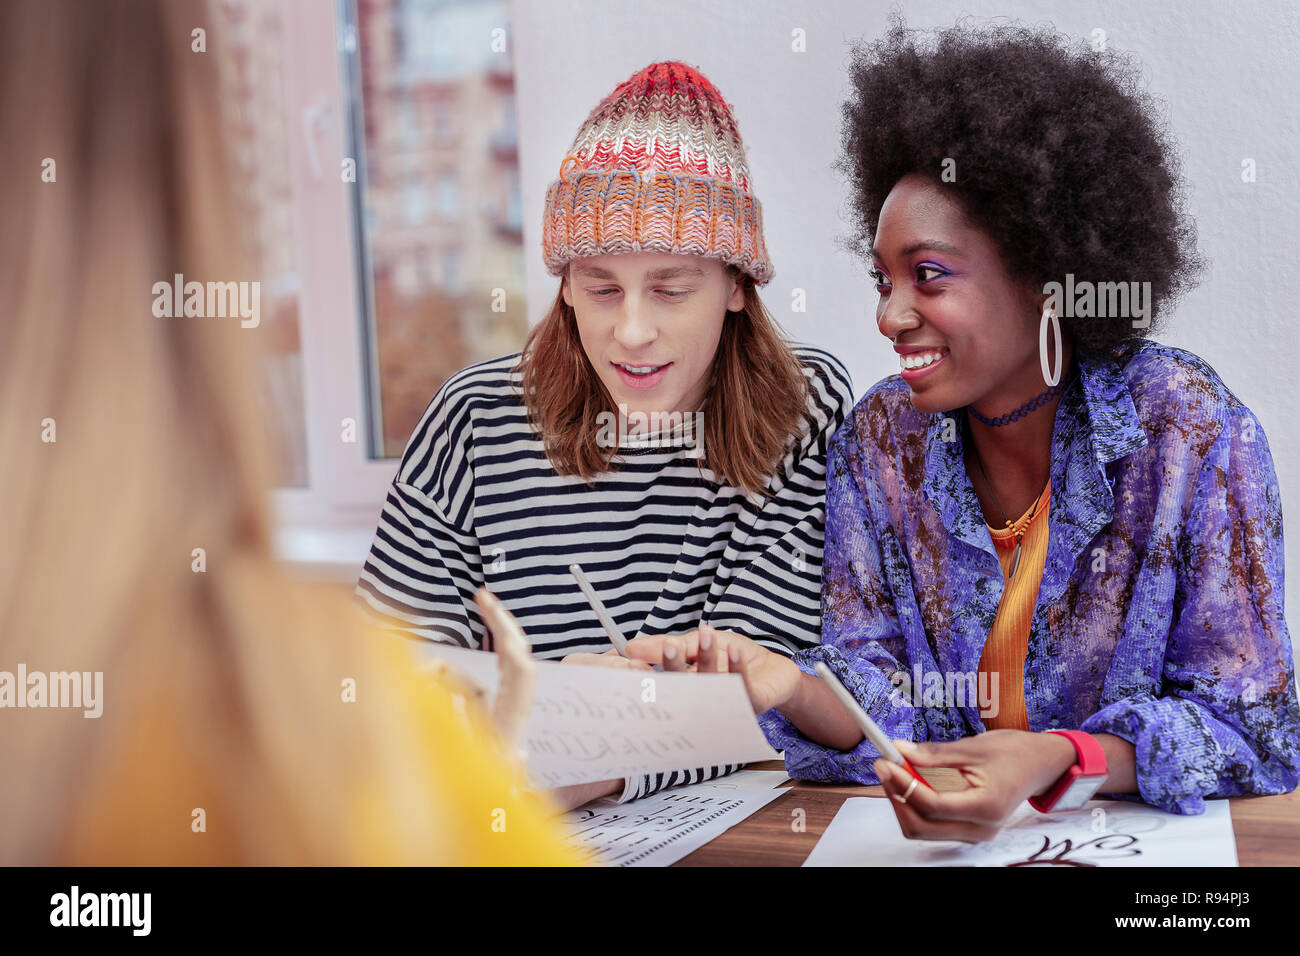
pixel 919 359
pixel 640 369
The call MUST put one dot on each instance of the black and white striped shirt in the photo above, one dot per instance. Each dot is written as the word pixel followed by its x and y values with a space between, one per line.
pixel 476 502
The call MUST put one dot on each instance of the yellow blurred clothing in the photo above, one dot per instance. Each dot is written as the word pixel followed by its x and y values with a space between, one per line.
pixel 407 773
pixel 1008 640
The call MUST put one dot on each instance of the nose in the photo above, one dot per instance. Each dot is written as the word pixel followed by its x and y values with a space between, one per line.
pixel 634 328
pixel 898 316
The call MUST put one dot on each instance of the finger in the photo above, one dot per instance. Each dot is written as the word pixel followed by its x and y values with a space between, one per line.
pixel 943 753
pixel 918 827
pixel 601 660
pixel 511 643
pixel 907 821
pixel 497 617
pixel 631 663
pixel 724 656
pixel 709 658
pixel 938 816
pixel 515 665
pixel 613 658
pixel 674 658
pixel 724 641
pixel 689 644
pixel 738 665
pixel 649 647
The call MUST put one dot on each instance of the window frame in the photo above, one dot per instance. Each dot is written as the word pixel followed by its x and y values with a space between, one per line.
pixel 323 524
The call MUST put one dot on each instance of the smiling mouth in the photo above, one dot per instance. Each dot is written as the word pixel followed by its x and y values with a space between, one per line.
pixel 640 370
pixel 641 376
pixel 916 364
pixel 917 360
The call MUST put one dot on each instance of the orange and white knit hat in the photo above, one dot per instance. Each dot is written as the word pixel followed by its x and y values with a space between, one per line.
pixel 658 166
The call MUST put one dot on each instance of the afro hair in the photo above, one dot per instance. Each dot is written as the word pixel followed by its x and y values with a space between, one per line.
pixel 1058 155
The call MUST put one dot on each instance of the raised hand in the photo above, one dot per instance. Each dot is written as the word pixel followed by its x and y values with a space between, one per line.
pixel 517 667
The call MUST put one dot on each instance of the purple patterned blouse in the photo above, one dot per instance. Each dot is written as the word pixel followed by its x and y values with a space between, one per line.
pixel 1160 616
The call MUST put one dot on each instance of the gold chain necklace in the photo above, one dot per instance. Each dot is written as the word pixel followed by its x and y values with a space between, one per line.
pixel 1020 536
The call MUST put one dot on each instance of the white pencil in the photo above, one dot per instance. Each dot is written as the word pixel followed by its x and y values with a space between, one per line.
pixel 615 635
pixel 607 622
pixel 870 729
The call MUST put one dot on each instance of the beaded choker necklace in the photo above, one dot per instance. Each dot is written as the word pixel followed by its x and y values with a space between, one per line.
pixel 1036 402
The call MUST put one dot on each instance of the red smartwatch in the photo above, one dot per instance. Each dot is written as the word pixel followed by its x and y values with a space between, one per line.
pixel 1077 785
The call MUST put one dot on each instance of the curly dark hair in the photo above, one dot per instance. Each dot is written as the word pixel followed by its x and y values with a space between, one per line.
pixel 1060 156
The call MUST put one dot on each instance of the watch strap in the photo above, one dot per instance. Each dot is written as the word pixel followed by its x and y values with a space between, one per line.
pixel 1090 761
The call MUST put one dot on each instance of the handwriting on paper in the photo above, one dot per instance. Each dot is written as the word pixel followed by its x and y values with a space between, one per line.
pixel 1121 844
pixel 598 723
pixel 865 832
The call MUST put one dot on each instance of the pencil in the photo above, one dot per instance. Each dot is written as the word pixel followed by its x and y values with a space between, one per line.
pixel 869 728
pixel 615 635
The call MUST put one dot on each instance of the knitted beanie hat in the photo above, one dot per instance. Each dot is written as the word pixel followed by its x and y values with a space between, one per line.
pixel 658 166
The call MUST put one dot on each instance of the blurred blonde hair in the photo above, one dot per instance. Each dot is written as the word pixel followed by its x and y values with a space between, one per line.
pixel 222 689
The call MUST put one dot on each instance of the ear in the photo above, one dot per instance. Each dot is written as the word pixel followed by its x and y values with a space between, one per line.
pixel 1035 301
pixel 736 300
pixel 565 290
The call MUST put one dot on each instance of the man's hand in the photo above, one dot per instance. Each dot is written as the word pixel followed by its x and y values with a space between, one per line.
pixel 610 658
pixel 771 680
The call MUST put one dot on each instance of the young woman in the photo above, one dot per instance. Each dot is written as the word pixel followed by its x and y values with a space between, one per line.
pixel 1019 540
pixel 656 429
pixel 225 734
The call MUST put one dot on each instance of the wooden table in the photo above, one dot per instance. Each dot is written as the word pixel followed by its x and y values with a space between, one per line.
pixel 1267 828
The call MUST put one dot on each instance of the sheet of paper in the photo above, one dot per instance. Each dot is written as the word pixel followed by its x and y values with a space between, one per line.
pixel 599 723
pixel 1102 833
pixel 660 829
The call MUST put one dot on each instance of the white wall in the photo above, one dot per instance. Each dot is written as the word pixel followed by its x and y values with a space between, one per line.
pixel 1227 73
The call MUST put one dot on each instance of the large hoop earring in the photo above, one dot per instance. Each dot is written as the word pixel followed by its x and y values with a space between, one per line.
pixel 1049 314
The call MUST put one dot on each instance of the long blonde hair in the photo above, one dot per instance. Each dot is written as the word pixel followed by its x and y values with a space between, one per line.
pixel 234 673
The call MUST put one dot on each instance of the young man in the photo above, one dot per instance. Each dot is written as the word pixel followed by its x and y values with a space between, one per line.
pixel 656 429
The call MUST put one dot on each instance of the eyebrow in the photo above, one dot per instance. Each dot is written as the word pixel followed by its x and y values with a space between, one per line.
pixel 934 245
pixel 655 275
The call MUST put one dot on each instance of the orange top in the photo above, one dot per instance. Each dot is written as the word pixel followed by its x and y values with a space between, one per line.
pixel 1008 640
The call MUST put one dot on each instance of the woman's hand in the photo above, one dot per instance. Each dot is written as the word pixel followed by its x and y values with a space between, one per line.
pixel 770 679
pixel 1002 769
pixel 515 664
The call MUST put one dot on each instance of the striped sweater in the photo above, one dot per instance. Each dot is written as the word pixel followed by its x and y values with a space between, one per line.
pixel 476 502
